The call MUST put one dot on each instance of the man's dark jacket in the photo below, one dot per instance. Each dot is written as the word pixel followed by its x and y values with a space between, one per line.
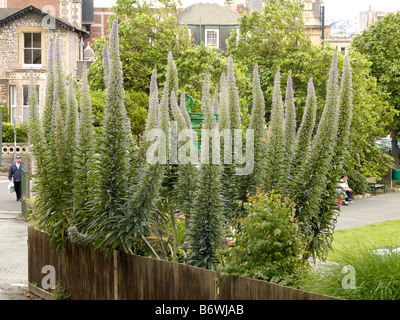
pixel 15 172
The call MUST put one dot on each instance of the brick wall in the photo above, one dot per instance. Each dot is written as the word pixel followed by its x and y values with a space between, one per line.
pixel 37 3
pixel 100 26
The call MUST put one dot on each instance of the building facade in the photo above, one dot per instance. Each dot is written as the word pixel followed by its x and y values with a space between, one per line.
pixel 210 23
pixel 25 35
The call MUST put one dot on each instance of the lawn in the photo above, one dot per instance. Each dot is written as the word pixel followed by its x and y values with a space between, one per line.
pixel 377 235
pixel 355 271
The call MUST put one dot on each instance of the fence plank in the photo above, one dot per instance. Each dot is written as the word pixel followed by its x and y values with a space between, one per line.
pixel 142 278
pixel 239 288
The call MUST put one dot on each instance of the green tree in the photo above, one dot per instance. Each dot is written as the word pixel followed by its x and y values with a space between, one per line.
pixel 379 43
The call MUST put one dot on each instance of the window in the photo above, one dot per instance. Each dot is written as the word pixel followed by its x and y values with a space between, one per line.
pixel 343 49
pixel 212 38
pixel 25 101
pixel 13 103
pixel 32 52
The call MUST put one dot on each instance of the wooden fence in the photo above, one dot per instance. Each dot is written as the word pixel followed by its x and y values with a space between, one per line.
pixel 89 274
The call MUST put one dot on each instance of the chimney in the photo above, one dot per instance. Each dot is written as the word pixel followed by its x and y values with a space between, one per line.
pixel 231 4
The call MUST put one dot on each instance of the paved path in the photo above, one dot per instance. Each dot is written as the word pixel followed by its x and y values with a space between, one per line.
pixel 13 246
pixel 379 208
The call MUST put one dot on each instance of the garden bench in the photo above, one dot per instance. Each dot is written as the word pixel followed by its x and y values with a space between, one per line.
pixel 374 184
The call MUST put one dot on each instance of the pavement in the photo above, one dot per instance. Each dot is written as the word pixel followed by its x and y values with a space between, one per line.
pixel 379 208
pixel 13 247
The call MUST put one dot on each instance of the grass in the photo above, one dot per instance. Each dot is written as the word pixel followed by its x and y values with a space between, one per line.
pixel 376 235
pixel 354 271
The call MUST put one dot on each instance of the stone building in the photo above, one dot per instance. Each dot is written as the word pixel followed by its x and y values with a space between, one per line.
pixel 25 35
pixel 210 23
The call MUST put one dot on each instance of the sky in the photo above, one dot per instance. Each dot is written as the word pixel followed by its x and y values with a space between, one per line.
pixel 334 9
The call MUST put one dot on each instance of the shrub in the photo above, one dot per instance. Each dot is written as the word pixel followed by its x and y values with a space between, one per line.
pixel 4 113
pixel 8 132
pixel 269 245
pixel 357 182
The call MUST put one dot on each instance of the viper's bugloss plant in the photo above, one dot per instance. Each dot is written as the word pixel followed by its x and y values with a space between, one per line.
pixel 205 232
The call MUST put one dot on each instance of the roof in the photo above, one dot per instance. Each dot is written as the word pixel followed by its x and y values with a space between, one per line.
pixel 208 14
pixel 9 14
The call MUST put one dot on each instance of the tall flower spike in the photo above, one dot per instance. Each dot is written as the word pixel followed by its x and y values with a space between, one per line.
pixel 215 106
pixel 71 126
pixel 184 111
pixel 172 74
pixel 345 111
pixel 152 115
pixel 224 118
pixel 315 171
pixel 290 122
pixel 60 85
pixel 48 109
pixel 85 148
pixel 305 132
pixel 35 129
pixel 233 98
pixel 205 228
pixel 275 167
pixel 106 64
pixel 114 164
pixel 257 123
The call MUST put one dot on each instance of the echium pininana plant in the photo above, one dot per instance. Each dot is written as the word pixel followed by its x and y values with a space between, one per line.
pixel 276 164
pixel 311 183
pixel 230 182
pixel 60 85
pixel 233 97
pixel 345 113
pixel 182 106
pixel 85 150
pixel 106 64
pixel 257 123
pixel 172 74
pixel 71 134
pixel 302 146
pixel 45 203
pixel 204 234
pixel 186 184
pixel 48 108
pixel 152 117
pixel 224 120
pixel 290 122
pixel 113 165
pixel 328 209
pixel 215 104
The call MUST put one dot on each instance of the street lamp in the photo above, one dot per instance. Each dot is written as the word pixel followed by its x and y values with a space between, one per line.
pixel 15 138
pixel 322 18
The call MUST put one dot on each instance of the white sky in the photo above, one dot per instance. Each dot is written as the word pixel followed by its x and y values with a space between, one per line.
pixel 334 9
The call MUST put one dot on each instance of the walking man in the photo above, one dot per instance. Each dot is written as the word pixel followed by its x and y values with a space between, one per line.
pixel 15 173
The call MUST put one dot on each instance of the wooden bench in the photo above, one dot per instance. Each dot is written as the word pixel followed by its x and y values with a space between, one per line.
pixel 374 184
